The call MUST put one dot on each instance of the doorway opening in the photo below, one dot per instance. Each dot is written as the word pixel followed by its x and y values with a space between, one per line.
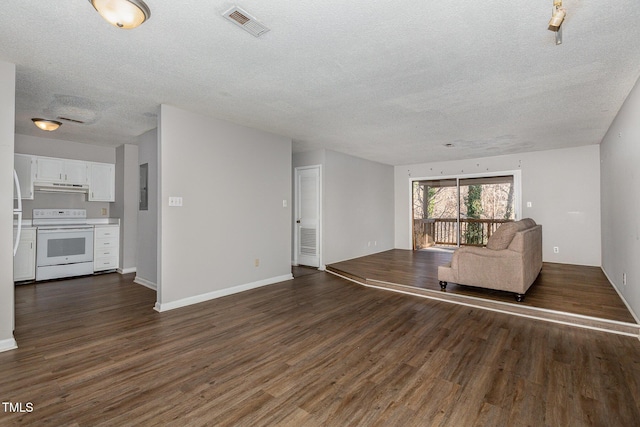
pixel 462 211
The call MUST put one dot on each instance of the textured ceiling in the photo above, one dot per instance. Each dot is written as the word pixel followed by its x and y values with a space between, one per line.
pixel 387 81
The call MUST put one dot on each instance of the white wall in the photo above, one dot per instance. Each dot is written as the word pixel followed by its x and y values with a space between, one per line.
pixel 49 147
pixel 147 235
pixel 125 206
pixel 620 177
pixel 233 181
pixel 357 204
pixel 358 212
pixel 7 126
pixel 562 185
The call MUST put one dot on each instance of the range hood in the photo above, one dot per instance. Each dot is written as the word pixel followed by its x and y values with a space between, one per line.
pixel 55 187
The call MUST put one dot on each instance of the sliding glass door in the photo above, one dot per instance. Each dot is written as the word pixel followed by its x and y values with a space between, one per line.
pixel 461 211
pixel 435 213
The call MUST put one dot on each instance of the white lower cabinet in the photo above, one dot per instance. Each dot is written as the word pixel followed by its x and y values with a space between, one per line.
pixel 106 247
pixel 24 263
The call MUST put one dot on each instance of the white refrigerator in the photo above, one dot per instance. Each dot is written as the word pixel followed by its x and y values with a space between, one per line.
pixel 17 211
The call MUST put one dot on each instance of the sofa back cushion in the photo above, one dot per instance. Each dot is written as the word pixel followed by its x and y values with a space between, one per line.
pixel 504 235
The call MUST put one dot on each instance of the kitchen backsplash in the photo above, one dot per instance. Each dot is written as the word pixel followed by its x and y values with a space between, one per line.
pixel 64 201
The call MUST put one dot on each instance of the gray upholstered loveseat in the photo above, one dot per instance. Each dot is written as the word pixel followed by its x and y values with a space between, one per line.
pixel 511 261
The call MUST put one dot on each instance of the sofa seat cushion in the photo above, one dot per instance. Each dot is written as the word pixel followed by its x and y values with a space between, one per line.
pixel 504 235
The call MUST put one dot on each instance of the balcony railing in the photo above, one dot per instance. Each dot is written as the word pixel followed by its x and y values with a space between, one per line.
pixel 444 231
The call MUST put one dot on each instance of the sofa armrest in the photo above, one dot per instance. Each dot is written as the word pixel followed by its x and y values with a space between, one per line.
pixel 494 269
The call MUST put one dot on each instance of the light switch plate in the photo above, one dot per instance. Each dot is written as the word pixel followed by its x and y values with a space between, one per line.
pixel 175 201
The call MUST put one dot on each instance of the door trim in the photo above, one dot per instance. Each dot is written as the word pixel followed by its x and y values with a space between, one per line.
pixel 296 241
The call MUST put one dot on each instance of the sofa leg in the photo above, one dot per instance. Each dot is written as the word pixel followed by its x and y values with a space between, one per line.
pixel 519 297
pixel 443 285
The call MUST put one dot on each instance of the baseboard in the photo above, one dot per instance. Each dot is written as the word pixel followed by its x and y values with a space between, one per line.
pixel 160 307
pixel 635 316
pixel 6 345
pixel 126 270
pixel 146 283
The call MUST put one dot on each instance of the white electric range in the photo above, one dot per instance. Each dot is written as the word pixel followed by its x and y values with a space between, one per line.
pixel 64 243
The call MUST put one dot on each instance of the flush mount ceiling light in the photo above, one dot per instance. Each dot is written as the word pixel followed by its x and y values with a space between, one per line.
pixel 48 125
pixel 557 17
pixel 125 14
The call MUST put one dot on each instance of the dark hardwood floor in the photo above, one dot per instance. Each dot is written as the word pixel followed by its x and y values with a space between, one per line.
pixel 302 270
pixel 574 289
pixel 313 351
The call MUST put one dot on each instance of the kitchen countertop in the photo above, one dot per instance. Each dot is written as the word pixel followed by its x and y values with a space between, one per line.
pixel 103 221
pixel 27 223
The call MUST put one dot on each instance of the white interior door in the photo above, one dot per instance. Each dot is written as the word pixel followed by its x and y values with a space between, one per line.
pixel 307 216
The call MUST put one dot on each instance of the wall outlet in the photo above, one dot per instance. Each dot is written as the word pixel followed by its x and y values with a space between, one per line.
pixel 624 279
pixel 104 211
pixel 556 250
pixel 256 262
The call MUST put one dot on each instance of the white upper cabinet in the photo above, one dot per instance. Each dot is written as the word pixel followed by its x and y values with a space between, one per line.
pixel 99 178
pixel 102 183
pixel 24 165
pixel 76 172
pixel 50 169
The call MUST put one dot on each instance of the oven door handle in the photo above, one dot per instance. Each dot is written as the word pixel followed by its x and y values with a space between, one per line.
pixel 64 230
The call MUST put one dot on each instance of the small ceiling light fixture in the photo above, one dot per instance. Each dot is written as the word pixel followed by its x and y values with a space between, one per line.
pixel 125 14
pixel 48 125
pixel 558 14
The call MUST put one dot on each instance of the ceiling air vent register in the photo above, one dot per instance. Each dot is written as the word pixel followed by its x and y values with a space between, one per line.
pixel 67 119
pixel 245 21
